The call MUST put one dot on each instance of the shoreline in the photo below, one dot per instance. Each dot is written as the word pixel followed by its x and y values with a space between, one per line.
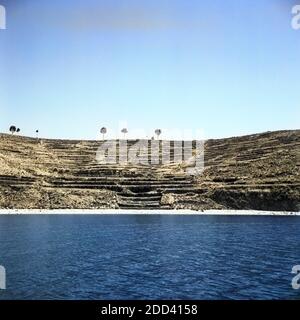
pixel 145 212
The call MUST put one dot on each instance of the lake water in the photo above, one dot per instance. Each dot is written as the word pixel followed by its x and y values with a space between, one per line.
pixel 149 257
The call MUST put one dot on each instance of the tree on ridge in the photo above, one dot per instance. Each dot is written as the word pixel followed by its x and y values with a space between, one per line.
pixel 103 131
pixel 158 133
pixel 12 129
pixel 124 131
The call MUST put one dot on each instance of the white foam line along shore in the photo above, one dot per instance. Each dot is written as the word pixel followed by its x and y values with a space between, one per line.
pixel 151 212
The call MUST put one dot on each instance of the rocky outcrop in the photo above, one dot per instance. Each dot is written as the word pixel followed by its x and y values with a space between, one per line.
pixel 258 171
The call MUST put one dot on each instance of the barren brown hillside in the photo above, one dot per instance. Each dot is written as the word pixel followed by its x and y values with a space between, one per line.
pixel 259 171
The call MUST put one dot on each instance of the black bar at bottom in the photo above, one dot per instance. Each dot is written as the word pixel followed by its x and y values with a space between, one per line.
pixel 143 309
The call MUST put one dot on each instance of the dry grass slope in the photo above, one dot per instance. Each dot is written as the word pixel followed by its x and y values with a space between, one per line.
pixel 259 171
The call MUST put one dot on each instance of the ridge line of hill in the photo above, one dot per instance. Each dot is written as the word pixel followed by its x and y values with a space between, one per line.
pixel 257 171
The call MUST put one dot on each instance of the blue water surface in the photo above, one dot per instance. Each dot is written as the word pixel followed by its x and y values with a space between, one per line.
pixel 149 256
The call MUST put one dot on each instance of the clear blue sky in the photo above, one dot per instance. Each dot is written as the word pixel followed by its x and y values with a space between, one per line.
pixel 69 67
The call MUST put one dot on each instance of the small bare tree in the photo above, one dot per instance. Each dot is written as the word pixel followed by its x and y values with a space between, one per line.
pixel 124 131
pixel 12 129
pixel 158 133
pixel 103 131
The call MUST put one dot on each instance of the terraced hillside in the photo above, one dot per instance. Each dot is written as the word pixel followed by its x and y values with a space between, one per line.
pixel 258 171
